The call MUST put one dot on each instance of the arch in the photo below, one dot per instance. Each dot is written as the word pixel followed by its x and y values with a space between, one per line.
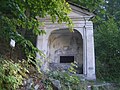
pixel 49 31
pixel 63 43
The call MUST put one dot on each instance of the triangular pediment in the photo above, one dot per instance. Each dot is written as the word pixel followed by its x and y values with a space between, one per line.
pixel 80 12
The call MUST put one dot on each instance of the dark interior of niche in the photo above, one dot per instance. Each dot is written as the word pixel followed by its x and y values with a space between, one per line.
pixel 66 59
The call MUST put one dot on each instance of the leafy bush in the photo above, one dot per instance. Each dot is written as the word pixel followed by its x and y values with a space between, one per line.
pixel 64 80
pixel 11 74
pixel 67 81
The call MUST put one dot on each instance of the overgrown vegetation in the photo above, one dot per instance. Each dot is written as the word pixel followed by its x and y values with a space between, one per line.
pixel 108 51
pixel 14 74
pixel 18 17
pixel 11 74
pixel 107 38
pixel 68 81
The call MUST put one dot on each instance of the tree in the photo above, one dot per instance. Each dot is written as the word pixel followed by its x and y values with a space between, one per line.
pixel 107 38
pixel 17 17
pixel 112 8
pixel 92 5
pixel 107 44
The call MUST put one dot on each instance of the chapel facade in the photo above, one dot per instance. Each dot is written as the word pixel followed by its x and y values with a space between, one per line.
pixel 63 47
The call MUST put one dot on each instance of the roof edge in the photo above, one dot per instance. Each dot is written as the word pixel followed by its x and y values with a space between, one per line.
pixel 74 4
pixel 82 9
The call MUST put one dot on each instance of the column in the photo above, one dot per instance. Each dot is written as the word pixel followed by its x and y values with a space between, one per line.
pixel 90 55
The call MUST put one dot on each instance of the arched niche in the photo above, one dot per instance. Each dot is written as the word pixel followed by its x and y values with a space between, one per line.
pixel 65 47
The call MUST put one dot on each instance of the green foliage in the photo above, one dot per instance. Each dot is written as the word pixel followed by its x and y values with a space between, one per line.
pixel 112 8
pixel 68 81
pixel 72 69
pixel 107 40
pixel 48 84
pixel 17 17
pixel 11 74
pixel 92 5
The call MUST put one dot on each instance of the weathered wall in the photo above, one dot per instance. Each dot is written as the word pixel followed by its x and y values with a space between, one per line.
pixel 65 43
pixel 58 42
